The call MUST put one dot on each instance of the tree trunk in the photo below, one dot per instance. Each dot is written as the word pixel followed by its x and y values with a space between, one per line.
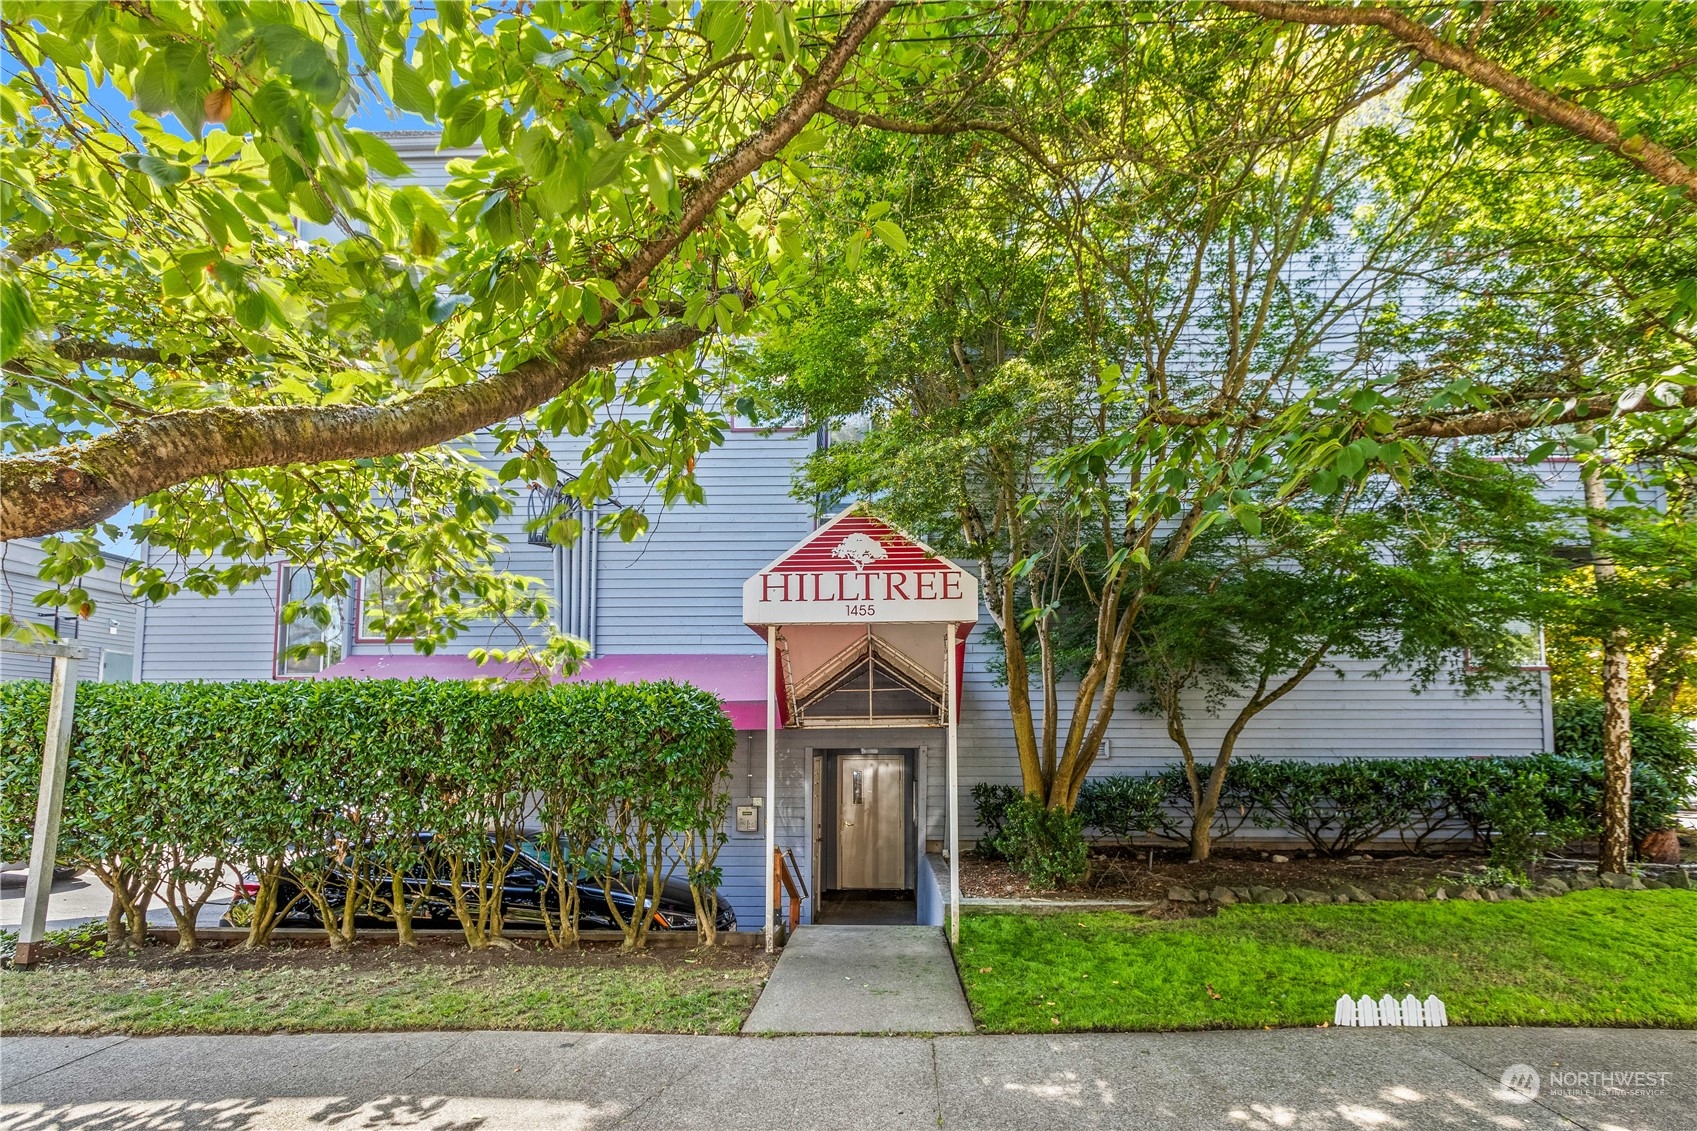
pixel 132 891
pixel 268 874
pixel 1616 845
pixel 403 910
pixel 1617 756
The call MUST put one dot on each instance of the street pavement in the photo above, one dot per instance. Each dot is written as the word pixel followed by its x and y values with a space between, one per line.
pixel 1278 1080
pixel 82 898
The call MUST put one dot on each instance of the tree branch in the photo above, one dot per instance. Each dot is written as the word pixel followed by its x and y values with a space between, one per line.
pixel 1657 160
pixel 76 485
pixel 1518 418
pixel 33 247
pixel 79 484
pixel 80 350
pixel 943 128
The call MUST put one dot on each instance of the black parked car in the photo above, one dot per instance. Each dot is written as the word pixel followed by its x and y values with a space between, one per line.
pixel 429 889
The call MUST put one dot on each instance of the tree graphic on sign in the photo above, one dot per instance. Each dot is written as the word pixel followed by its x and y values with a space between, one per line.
pixel 861 549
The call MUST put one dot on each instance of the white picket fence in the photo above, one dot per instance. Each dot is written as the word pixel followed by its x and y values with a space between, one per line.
pixel 1387 1010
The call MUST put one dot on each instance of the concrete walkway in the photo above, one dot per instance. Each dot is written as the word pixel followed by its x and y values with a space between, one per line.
pixel 1302 1079
pixel 863 980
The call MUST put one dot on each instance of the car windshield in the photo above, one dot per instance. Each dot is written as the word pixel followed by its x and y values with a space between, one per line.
pixel 538 851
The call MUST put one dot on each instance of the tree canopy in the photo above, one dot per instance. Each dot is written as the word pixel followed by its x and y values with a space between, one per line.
pixel 226 300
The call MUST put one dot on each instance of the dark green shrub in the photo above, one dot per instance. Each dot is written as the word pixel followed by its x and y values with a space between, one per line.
pixel 1664 743
pixel 1124 806
pixel 990 801
pixel 1339 806
pixel 1335 806
pixel 1529 820
pixel 1044 845
pixel 1575 791
pixel 1425 787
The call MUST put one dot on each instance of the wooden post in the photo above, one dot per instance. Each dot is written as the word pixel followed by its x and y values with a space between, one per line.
pixel 55 755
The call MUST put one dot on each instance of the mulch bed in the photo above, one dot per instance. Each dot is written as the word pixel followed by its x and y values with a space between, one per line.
pixel 441 952
pixel 1131 873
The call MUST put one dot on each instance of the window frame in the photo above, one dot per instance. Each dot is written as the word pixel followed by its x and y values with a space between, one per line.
pixel 360 636
pixel 277 660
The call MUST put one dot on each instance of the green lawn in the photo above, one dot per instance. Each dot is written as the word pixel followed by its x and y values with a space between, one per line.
pixel 1591 958
pixel 382 989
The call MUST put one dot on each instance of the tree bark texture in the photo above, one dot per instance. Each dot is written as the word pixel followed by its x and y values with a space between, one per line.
pixel 1616 845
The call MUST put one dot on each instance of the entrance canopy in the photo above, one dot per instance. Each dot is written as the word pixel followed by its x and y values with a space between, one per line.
pixel 863 627
pixel 860 612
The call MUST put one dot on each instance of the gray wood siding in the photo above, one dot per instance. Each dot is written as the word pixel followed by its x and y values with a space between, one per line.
pixel 226 637
pixel 1325 719
pixel 111 628
pixel 679 587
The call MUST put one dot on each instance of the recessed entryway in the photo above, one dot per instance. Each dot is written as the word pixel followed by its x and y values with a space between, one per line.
pixel 865 822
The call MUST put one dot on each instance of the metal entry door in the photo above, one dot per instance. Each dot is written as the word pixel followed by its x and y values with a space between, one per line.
pixel 871 821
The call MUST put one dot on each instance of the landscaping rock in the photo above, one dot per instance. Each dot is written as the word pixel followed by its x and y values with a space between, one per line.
pixel 1341 897
pixel 1269 895
pixel 1361 858
pixel 1489 895
pixel 1281 860
pixel 1386 894
pixel 1621 882
pixel 1244 895
pixel 1223 896
pixel 1584 881
pixel 1553 886
pixel 1307 895
pixel 1179 894
pixel 1472 894
pixel 1357 895
pixel 1678 878
pixel 1655 885
pixel 1441 895
pixel 1508 891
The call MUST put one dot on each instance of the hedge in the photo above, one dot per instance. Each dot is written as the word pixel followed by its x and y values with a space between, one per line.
pixel 170 785
pixel 1338 806
pixel 1666 744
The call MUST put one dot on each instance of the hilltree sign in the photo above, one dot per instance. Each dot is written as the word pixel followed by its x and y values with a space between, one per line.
pixel 855 570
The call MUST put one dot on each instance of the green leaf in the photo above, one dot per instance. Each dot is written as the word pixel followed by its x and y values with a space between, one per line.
pixel 465 128
pixel 379 154
pixel 17 317
pixel 892 235
pixel 162 172
pixel 410 90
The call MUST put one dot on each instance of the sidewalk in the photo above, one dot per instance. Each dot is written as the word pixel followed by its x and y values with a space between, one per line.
pixel 863 980
pixel 1305 1079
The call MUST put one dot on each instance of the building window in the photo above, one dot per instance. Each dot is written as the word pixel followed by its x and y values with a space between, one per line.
pixel 375 598
pixel 117 667
pixel 310 626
